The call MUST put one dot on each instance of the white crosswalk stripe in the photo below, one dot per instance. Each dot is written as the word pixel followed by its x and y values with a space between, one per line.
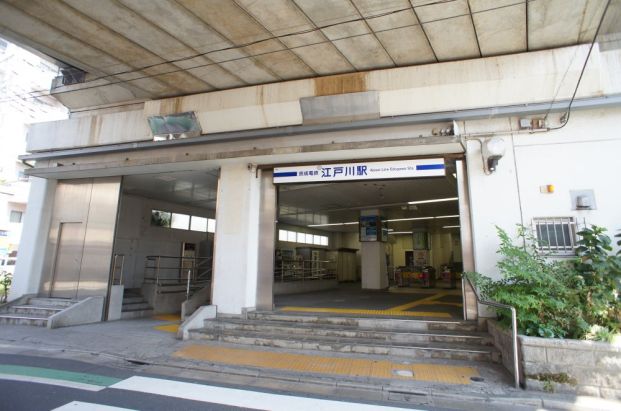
pixel 88 406
pixel 240 398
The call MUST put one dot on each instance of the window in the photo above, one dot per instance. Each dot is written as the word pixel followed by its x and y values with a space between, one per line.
pixel 198 224
pixel 180 221
pixel 160 218
pixel 302 238
pixel 555 235
pixel 211 225
pixel 4 233
pixel 16 216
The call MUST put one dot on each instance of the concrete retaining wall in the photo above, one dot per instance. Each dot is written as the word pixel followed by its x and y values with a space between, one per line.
pixel 87 311
pixel 574 366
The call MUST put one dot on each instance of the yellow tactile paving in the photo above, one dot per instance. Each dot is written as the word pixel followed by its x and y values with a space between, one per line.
pixel 442 303
pixel 416 303
pixel 354 367
pixel 389 312
pixel 169 328
pixel 167 317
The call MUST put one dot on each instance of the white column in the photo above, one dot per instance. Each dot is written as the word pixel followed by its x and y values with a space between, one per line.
pixel 33 243
pixel 373 260
pixel 237 239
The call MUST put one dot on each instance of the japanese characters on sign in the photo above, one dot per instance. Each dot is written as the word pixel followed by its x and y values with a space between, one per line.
pixel 360 171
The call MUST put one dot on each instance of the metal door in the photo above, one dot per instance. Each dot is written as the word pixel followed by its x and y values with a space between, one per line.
pixel 66 277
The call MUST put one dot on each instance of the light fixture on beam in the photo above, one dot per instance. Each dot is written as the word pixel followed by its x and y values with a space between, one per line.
pixel 451 226
pixel 332 224
pixel 435 200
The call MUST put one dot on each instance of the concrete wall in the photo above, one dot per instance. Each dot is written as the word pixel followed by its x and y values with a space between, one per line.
pixel 486 82
pixel 588 367
pixel 136 238
pixel 581 155
pixel 29 267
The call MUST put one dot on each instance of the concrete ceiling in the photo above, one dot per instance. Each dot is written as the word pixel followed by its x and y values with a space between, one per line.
pixel 305 204
pixel 308 204
pixel 188 188
pixel 158 48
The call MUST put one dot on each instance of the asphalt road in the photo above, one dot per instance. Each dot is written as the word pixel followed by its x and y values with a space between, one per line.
pixel 33 383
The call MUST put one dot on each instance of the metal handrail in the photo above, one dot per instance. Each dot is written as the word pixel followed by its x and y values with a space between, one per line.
pixel 197 274
pixel 516 364
pixel 301 270
pixel 114 267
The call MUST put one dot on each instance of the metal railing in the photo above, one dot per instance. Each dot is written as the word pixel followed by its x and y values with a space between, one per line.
pixel 115 267
pixel 304 270
pixel 514 339
pixel 167 271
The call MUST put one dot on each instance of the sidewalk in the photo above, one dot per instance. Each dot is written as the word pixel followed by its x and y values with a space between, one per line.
pixel 150 346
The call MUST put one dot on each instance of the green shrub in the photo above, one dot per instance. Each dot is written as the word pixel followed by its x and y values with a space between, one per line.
pixel 601 272
pixel 557 299
pixel 5 284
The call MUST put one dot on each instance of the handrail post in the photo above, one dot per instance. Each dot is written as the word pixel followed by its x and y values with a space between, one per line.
pixel 122 265
pixel 516 360
pixel 187 290
pixel 114 267
pixel 157 271
pixel 463 297
pixel 514 329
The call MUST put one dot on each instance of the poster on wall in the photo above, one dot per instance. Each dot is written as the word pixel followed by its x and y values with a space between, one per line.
pixel 373 228
pixel 368 228
pixel 381 170
pixel 420 240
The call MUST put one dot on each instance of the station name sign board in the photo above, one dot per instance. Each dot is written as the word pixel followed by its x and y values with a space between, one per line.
pixel 381 170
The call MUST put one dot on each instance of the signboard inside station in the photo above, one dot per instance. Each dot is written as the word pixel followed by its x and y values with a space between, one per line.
pixel 380 170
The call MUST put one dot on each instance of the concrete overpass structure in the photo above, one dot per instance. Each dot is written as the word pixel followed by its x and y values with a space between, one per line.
pixel 315 85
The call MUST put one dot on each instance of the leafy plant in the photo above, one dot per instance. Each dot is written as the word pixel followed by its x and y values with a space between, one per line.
pixel 579 298
pixel 542 291
pixel 601 272
pixel 5 284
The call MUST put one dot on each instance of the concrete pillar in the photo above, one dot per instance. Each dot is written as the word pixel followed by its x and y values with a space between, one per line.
pixel 33 243
pixel 236 253
pixel 373 259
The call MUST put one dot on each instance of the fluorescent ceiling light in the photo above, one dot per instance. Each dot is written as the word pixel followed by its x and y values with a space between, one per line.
pixel 436 200
pixel 400 232
pixel 332 224
pixel 448 216
pixel 451 226
pixel 409 219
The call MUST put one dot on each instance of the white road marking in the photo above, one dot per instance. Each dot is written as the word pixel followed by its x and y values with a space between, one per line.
pixel 87 406
pixel 49 381
pixel 240 398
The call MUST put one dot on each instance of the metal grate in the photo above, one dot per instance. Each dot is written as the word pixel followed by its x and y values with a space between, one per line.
pixel 555 235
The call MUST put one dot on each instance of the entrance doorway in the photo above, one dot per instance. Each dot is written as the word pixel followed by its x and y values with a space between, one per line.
pixel 385 248
pixel 165 240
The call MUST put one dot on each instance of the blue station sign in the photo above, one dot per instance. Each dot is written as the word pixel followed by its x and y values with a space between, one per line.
pixel 381 170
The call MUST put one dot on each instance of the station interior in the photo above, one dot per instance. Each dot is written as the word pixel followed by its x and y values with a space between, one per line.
pixel 166 228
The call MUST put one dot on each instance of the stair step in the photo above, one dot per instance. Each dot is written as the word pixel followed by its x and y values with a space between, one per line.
pixel 51 302
pixel 366 322
pixel 142 305
pixel 344 331
pixel 130 314
pixel 352 345
pixel 130 300
pixel 23 319
pixel 39 311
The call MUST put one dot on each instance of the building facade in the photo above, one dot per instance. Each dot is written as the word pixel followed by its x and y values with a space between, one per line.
pixel 529 138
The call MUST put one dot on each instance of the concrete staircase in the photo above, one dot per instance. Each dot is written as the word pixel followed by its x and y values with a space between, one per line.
pixel 34 311
pixel 445 340
pixel 134 305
